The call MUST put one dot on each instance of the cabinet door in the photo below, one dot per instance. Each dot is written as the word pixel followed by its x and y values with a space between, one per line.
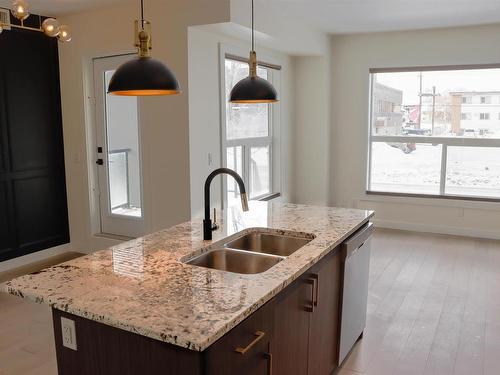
pixel 246 348
pixel 292 329
pixel 33 209
pixel 324 327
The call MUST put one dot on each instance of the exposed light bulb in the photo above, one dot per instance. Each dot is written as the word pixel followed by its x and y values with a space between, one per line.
pixel 51 27
pixel 64 33
pixel 20 10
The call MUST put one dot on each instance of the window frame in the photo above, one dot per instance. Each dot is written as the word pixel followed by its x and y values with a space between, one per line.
pixel 273 140
pixel 445 142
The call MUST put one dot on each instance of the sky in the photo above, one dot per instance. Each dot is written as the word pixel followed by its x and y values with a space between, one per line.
pixel 445 81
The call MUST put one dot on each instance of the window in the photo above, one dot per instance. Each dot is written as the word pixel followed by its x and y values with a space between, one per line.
pixel 249 137
pixel 485 99
pixel 428 145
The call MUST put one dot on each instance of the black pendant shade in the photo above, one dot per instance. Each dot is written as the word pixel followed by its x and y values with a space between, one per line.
pixel 143 76
pixel 251 90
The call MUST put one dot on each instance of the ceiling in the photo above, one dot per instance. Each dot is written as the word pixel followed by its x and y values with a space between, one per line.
pixel 60 7
pixel 338 16
pixel 355 16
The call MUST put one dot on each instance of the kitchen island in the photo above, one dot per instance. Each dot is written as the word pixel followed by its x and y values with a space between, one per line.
pixel 138 308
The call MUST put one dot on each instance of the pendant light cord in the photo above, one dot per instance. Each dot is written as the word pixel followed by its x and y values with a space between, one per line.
pixel 253 41
pixel 142 14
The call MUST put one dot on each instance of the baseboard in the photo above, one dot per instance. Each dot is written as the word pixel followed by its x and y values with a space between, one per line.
pixel 438 229
pixel 34 257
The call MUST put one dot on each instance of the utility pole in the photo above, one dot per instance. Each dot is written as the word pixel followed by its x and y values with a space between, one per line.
pixel 433 105
pixel 420 105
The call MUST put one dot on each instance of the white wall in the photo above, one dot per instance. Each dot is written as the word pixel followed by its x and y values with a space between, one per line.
pixel 164 120
pixel 311 135
pixel 205 107
pixel 279 28
pixel 352 56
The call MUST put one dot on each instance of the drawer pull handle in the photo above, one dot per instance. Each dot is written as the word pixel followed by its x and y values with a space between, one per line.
pixel 258 336
pixel 316 298
pixel 269 357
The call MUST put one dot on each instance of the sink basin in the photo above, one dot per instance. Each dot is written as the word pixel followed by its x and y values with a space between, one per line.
pixel 275 244
pixel 252 253
pixel 235 261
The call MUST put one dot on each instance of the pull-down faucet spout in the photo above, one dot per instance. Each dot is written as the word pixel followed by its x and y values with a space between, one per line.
pixel 207 223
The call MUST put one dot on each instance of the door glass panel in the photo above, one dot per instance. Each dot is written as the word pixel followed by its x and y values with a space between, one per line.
pixel 234 162
pixel 473 171
pixel 244 120
pixel 124 174
pixel 259 171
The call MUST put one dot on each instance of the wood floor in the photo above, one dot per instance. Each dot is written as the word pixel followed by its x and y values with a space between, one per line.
pixel 433 308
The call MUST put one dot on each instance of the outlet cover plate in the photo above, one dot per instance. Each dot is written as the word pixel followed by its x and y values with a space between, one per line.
pixel 68 333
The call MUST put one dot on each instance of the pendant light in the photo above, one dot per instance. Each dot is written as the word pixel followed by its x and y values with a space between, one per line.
pixel 253 89
pixel 49 26
pixel 143 76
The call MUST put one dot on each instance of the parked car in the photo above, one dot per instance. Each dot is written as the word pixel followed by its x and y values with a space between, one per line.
pixel 407 147
pixel 471 133
pixel 425 132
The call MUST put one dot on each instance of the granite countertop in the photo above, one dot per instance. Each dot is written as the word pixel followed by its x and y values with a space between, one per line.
pixel 142 286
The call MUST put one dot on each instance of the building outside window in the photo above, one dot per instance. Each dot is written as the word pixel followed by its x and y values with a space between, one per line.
pixel 250 135
pixel 485 100
pixel 440 139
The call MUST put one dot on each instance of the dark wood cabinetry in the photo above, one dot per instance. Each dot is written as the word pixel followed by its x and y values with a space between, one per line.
pixel 290 344
pixel 295 333
pixel 105 350
pixel 307 320
pixel 246 350
pixel 324 327
pixel 33 209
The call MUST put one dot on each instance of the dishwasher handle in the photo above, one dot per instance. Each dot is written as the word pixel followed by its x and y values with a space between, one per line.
pixel 358 239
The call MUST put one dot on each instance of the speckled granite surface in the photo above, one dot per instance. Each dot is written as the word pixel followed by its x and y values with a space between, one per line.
pixel 142 286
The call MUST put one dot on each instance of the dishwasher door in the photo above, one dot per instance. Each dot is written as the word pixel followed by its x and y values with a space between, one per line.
pixel 356 253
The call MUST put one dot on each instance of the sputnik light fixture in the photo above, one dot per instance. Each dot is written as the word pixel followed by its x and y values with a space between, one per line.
pixel 143 76
pixel 50 26
pixel 253 89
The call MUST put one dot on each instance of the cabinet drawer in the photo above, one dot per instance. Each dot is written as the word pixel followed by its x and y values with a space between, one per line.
pixel 246 348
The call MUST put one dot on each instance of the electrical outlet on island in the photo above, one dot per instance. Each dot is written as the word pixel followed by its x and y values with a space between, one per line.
pixel 68 333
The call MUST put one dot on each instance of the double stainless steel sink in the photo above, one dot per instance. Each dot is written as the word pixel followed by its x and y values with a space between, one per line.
pixel 252 253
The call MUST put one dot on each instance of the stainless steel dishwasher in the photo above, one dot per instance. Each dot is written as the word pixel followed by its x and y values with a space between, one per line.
pixel 356 257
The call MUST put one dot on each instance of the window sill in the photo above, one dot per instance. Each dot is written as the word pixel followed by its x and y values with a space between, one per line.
pixel 268 197
pixel 432 200
pixel 115 237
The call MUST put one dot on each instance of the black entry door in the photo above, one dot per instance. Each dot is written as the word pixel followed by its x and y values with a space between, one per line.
pixel 33 207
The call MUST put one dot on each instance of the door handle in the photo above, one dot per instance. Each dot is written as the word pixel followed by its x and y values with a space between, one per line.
pixel 99 162
pixel 312 281
pixel 258 336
